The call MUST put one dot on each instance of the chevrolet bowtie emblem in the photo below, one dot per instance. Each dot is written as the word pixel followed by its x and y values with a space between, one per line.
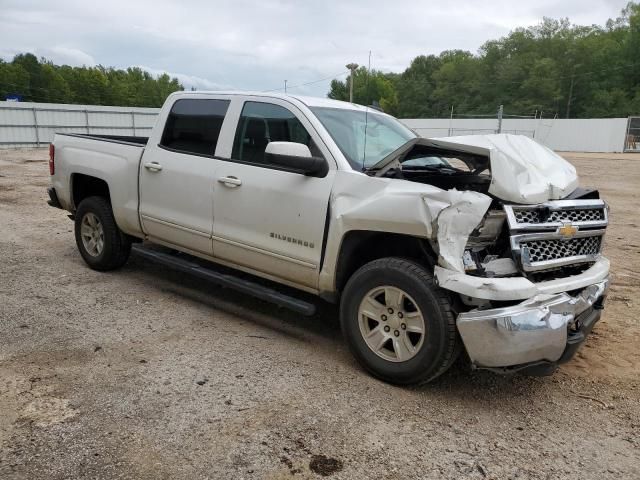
pixel 567 230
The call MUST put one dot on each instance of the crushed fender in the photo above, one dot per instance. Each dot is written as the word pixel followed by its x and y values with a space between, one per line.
pixel 445 217
pixel 455 223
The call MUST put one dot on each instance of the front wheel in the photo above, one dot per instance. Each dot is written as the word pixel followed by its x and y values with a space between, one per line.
pixel 398 323
pixel 100 242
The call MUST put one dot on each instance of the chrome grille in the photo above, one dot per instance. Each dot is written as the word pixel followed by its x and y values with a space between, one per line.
pixel 556 234
pixel 551 215
pixel 545 250
pixel 541 216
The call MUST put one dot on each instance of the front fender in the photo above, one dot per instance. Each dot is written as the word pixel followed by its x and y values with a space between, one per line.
pixel 444 217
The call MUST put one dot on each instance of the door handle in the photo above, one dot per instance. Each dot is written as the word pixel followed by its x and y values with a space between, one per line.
pixel 153 166
pixel 230 181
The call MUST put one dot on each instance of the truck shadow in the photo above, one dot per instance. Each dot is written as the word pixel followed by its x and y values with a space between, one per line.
pixel 321 330
pixel 324 323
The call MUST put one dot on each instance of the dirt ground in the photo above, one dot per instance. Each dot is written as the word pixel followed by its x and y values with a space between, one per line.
pixel 146 373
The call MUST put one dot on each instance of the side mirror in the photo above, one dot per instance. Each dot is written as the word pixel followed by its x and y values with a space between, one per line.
pixel 297 157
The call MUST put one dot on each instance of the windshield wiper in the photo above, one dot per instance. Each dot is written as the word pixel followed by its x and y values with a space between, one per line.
pixel 430 168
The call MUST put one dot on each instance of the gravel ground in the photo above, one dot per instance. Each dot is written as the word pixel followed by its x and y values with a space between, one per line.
pixel 146 373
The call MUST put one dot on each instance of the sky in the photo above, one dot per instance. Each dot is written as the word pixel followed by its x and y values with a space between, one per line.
pixel 257 45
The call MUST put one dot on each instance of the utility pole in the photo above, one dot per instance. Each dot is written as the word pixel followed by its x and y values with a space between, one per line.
pixel 352 67
pixel 500 113
pixel 451 121
pixel 570 95
pixel 285 87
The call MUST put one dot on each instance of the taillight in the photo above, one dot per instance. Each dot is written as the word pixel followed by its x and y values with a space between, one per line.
pixel 52 158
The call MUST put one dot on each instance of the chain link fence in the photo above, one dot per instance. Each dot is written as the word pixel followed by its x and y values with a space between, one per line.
pixel 632 140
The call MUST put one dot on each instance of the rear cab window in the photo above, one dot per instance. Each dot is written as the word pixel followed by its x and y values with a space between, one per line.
pixel 261 123
pixel 193 126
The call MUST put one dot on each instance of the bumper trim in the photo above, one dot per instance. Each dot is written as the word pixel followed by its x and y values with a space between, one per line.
pixel 586 322
pixel 544 368
pixel 545 328
pixel 518 288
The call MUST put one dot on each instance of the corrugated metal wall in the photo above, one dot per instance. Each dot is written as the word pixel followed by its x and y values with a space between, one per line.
pixel 34 124
pixel 568 135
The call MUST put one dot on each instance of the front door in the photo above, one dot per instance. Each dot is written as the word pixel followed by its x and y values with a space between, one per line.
pixel 267 218
pixel 177 175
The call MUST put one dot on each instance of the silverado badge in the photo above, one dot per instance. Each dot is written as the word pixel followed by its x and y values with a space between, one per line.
pixel 297 241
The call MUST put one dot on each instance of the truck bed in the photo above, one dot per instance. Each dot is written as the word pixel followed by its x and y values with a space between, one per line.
pixel 113 159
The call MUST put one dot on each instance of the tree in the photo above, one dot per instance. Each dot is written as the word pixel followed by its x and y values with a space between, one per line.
pixel 415 88
pixel 369 88
pixel 54 87
pixel 631 46
pixel 554 67
pixel 457 81
pixel 42 81
pixel 13 79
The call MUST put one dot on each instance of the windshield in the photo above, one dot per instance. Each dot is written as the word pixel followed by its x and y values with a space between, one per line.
pixel 384 134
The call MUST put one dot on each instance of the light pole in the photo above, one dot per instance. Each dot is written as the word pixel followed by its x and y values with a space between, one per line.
pixel 352 67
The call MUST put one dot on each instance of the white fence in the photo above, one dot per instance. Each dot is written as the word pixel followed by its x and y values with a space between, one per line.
pixel 579 135
pixel 34 124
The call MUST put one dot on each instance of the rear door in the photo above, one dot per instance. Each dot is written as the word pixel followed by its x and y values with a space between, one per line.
pixel 267 218
pixel 177 174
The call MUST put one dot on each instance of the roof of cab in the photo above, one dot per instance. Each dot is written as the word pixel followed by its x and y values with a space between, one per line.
pixel 308 101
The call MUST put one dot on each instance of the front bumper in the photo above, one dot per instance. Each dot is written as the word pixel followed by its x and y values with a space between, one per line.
pixel 518 288
pixel 543 331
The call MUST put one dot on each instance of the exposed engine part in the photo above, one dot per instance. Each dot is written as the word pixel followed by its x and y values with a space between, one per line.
pixel 470 264
pixel 489 230
pixel 500 267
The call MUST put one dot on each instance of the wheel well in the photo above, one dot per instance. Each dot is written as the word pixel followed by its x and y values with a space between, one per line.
pixel 362 246
pixel 84 186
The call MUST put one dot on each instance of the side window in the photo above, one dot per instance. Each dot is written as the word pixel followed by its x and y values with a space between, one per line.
pixel 261 123
pixel 193 125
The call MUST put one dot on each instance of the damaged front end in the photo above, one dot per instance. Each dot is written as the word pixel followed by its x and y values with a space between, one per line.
pixel 521 246
pixel 540 242
pixel 534 283
pixel 515 238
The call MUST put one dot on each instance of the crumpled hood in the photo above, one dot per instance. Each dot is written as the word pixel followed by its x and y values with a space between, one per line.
pixel 522 170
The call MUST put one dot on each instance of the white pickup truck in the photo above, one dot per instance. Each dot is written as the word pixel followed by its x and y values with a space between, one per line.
pixel 482 244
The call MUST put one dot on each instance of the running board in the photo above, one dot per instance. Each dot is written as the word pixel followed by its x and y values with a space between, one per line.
pixel 225 280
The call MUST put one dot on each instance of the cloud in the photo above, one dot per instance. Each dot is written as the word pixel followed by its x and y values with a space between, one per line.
pixel 244 44
pixel 66 56
pixel 189 81
pixel 58 54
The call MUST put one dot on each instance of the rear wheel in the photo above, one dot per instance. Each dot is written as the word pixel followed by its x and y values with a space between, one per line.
pixel 100 242
pixel 398 323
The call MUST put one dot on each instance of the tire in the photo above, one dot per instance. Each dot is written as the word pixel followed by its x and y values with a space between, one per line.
pixel 111 248
pixel 411 360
